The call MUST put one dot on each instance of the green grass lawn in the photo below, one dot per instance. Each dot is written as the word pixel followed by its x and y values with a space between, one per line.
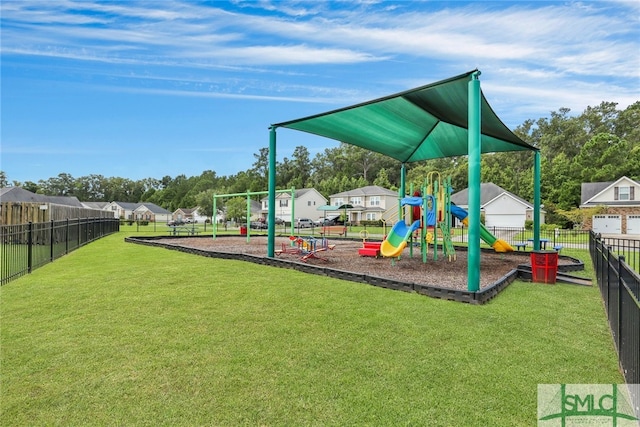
pixel 124 334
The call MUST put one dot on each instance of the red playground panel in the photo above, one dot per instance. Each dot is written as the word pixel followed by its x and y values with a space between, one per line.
pixel 370 249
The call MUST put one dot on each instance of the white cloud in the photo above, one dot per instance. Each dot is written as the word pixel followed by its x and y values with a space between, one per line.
pixel 280 50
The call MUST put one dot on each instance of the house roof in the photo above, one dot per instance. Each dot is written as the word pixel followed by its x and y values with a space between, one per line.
pixel 128 206
pixel 256 206
pixel 488 192
pixel 427 122
pixel 152 207
pixel 186 211
pixel 370 190
pixel 19 194
pixel 96 205
pixel 298 193
pixel 590 190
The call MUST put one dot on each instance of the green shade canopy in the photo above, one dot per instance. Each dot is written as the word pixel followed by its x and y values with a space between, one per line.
pixel 427 122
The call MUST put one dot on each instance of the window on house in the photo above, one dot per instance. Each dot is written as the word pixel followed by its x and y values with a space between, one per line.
pixel 309 203
pixel 374 201
pixel 356 200
pixel 284 203
pixel 623 193
pixel 338 202
pixel 371 216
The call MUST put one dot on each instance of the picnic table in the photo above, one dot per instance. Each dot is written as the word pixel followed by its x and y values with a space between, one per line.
pixel 543 243
pixel 176 230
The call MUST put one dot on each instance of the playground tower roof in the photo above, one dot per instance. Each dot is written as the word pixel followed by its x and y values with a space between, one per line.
pixel 427 122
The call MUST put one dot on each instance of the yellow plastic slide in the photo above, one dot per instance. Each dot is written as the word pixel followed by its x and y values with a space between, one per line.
pixel 396 241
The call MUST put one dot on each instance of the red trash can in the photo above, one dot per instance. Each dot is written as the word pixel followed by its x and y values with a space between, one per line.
pixel 243 230
pixel 544 266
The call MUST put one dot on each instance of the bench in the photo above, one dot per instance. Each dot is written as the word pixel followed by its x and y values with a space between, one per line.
pixel 327 230
pixel 521 245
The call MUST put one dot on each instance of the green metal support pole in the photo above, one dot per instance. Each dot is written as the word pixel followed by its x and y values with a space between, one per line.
pixel 293 211
pixel 411 219
pixel 248 217
pixel 474 141
pixel 423 230
pixel 271 234
pixel 434 190
pixel 536 201
pixel 214 218
pixel 403 186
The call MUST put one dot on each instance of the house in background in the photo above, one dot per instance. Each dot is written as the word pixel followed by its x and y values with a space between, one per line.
pixel 139 211
pixel 305 204
pixel 256 210
pixel 96 205
pixel 122 210
pixel 622 200
pixel 189 215
pixel 151 212
pixel 370 203
pixel 500 207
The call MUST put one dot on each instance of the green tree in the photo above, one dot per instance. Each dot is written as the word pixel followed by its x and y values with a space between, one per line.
pixel 627 125
pixel 259 172
pixel 204 201
pixel 301 167
pixel 62 185
pixel 236 209
pixel 602 158
pixel 382 180
pixel 3 180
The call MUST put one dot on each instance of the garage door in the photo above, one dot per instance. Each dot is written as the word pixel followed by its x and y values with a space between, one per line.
pixel 633 224
pixel 607 224
pixel 495 220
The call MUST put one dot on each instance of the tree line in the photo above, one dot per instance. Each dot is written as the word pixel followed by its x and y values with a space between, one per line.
pixel 600 144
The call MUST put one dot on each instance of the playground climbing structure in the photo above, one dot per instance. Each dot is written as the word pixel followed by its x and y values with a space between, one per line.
pixel 429 221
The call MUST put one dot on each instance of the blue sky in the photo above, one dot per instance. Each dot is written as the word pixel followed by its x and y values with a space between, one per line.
pixel 139 89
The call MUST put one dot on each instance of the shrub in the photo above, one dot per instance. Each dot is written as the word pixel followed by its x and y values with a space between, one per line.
pixel 371 223
pixel 549 227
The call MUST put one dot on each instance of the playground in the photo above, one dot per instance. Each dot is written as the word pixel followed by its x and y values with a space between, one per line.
pixel 345 257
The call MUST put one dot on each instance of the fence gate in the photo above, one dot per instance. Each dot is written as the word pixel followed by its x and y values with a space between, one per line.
pixel 607 224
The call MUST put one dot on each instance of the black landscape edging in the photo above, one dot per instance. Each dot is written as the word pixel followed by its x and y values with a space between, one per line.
pixel 480 297
pixel 383 282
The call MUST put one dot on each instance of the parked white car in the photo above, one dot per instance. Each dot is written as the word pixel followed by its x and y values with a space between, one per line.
pixel 304 223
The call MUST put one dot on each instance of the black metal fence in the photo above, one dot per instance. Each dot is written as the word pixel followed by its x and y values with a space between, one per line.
pixel 25 247
pixel 549 238
pixel 620 288
pixel 628 248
